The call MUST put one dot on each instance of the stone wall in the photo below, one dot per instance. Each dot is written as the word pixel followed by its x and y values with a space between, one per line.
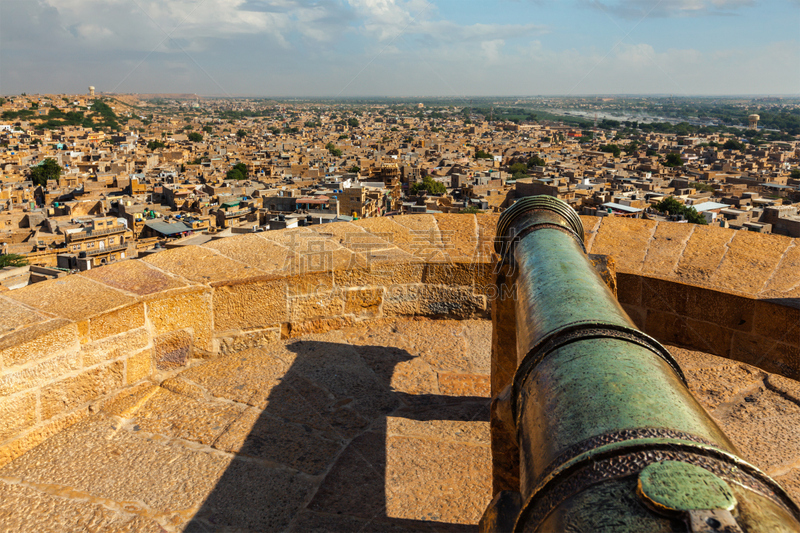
pixel 68 345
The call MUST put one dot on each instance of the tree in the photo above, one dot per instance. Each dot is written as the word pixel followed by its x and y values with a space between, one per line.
pixel 673 160
pixel 429 185
pixel 155 145
pixel 195 137
pixel 470 210
pixel 241 134
pixel 208 129
pixel 480 154
pixel 795 174
pixel 238 172
pixel 49 169
pixel 733 144
pixel 519 170
pixel 612 149
pixel 354 169
pixel 13 260
pixel 333 150
pixel 674 207
pixel 536 161
pixel 352 122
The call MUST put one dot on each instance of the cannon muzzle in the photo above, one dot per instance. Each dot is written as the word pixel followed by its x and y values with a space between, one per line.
pixel 608 436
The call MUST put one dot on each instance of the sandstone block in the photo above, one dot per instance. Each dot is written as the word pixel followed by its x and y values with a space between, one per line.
pixel 134 276
pixel 459 236
pixel 363 303
pixel 248 339
pixel 139 366
pixel 15 448
pixel 666 248
pixel 173 350
pixel 39 341
pixel 451 384
pixel 629 289
pixel 118 321
pixel 777 322
pixel 674 329
pixel 447 273
pixel 325 305
pixel 190 310
pixel 626 240
pixel 115 347
pixel 457 302
pixel 71 393
pixel 319 325
pixel 401 300
pixel 37 374
pixel 250 305
pixel 755 254
pixel 703 254
pixel 17 413
pixel 201 265
pixel 125 403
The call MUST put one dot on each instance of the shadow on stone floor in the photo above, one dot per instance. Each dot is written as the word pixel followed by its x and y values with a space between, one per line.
pixel 336 449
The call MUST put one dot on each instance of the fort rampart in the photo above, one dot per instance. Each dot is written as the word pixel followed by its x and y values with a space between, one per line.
pixel 71 344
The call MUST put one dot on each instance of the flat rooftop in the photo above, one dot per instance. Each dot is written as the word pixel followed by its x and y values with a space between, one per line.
pixel 377 427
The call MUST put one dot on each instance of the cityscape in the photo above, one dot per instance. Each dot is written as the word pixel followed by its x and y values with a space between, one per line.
pixel 92 179
pixel 400 266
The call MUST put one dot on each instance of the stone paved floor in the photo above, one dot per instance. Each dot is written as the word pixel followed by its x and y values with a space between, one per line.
pixel 382 427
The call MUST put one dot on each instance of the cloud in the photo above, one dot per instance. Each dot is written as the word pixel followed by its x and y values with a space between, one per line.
pixel 638 9
pixel 389 19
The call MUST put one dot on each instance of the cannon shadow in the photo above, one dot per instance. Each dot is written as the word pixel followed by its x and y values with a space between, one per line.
pixel 313 456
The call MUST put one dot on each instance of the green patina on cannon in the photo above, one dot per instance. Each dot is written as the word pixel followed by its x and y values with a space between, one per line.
pixel 593 426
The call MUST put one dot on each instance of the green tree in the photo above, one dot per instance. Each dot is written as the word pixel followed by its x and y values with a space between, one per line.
pixel 241 134
pixel 333 150
pixel 208 129
pixel 429 185
pixel 472 210
pixel 795 174
pixel 673 160
pixel 536 161
pixel 733 144
pixel 611 149
pixel 155 145
pixel 674 207
pixel 238 172
pixel 49 169
pixel 13 260
pixel 195 137
pixel 519 170
pixel 352 122
pixel 355 169
pixel 518 167
pixel 480 154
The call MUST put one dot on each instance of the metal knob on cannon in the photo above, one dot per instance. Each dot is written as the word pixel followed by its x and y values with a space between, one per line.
pixel 593 426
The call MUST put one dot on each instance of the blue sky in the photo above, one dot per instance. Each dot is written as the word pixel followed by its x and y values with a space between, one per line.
pixel 455 48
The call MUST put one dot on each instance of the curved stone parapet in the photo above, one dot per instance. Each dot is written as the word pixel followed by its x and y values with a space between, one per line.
pixel 68 344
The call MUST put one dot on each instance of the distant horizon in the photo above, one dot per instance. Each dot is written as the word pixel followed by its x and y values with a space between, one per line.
pixel 355 48
pixel 418 96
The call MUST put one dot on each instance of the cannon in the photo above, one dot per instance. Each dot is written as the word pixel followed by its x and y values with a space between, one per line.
pixel 593 426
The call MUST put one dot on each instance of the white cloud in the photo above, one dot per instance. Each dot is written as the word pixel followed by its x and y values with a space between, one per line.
pixel 637 9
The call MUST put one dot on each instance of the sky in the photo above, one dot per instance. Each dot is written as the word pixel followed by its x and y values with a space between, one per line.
pixel 450 48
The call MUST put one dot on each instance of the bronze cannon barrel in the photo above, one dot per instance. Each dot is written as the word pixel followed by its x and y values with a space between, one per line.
pixel 609 436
